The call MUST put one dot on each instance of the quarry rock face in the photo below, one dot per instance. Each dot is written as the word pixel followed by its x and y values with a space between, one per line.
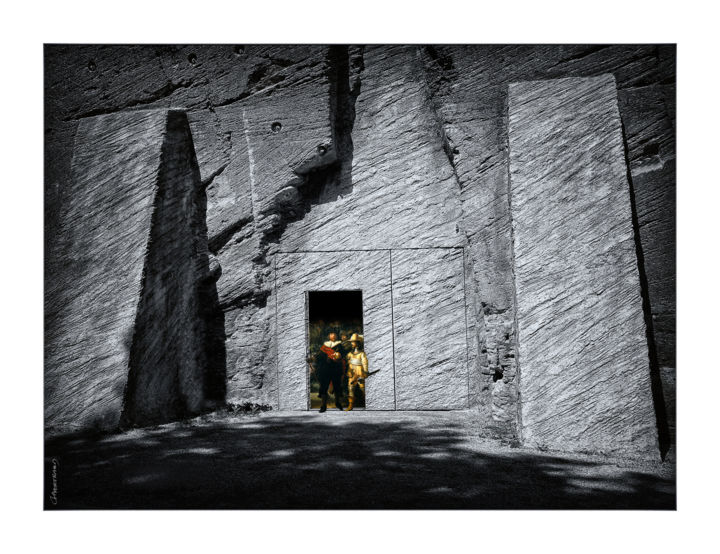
pixel 583 385
pixel 122 332
pixel 469 87
pixel 401 152
pixel 400 192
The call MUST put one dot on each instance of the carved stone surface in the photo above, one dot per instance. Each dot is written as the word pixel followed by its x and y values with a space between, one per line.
pixel 377 147
pixel 585 378
pixel 276 138
pixel 123 292
pixel 429 326
pixel 297 273
pixel 401 191
pixel 468 86
pixel 303 184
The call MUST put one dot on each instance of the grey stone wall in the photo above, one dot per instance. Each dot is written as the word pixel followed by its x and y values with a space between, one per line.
pixel 585 369
pixel 408 143
pixel 468 86
pixel 123 278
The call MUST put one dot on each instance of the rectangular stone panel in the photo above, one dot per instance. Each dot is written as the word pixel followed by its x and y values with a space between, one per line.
pixel 120 282
pixel 431 363
pixel 298 273
pixel 583 355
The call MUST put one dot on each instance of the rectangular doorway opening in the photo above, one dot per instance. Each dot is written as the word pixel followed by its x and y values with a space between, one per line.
pixel 339 313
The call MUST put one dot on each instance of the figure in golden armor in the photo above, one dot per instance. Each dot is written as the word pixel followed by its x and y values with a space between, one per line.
pixel 357 369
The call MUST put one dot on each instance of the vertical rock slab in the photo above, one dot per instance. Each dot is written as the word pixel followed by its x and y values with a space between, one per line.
pixel 297 273
pixel 583 354
pixel 431 359
pixel 122 286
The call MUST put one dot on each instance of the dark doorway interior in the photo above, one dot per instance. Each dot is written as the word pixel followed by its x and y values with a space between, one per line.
pixel 338 312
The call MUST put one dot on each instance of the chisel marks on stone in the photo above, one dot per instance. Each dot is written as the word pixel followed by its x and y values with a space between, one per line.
pixel 585 380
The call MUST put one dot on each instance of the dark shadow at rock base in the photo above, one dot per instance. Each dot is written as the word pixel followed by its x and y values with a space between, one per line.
pixel 332 462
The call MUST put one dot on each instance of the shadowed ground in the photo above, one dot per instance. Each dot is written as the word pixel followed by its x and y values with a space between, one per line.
pixel 339 460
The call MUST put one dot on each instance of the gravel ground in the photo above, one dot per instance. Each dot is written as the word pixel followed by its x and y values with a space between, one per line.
pixel 355 460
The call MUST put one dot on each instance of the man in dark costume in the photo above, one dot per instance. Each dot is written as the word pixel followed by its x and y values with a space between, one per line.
pixel 330 368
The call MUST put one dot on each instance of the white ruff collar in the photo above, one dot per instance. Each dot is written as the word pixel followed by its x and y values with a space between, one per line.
pixel 331 344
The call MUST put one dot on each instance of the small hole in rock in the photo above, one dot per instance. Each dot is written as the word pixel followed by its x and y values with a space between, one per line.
pixel 275 127
pixel 321 150
pixel 456 151
pixel 192 58
pixel 498 375
pixel 651 150
pixel 92 66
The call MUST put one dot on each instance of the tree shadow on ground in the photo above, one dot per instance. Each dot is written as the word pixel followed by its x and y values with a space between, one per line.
pixel 291 462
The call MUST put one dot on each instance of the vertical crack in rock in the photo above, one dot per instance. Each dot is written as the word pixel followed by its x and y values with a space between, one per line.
pixel 326 184
pixel 444 64
pixel 442 59
pixel 513 284
pixel 167 361
pixel 320 183
pixel 655 382
pixel 343 95
pixel 493 329
pixel 211 315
